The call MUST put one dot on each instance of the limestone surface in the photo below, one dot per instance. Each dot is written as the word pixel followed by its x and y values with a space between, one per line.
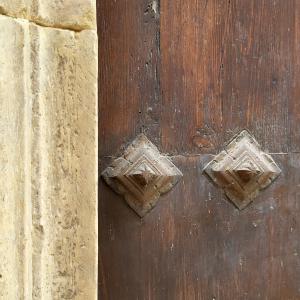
pixel 48 150
pixel 71 14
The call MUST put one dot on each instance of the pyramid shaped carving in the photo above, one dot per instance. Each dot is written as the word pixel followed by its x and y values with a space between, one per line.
pixel 243 169
pixel 141 175
pixel 246 171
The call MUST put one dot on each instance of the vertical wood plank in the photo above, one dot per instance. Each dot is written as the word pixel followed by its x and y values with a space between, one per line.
pixel 191 47
pixel 294 104
pixel 129 103
pixel 129 72
pixel 227 65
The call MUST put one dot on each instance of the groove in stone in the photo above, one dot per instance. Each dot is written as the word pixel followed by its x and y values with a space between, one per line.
pixel 37 22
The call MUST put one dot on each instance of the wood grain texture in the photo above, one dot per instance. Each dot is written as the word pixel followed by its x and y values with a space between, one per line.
pixel 129 59
pixel 294 103
pixel 217 68
pixel 196 245
pixel 227 65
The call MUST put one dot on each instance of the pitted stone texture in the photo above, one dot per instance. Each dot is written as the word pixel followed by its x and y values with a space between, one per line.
pixel 243 169
pixel 70 14
pixel 141 175
pixel 48 146
pixel 14 165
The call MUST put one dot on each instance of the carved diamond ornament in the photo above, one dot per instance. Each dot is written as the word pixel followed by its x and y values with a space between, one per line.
pixel 242 169
pixel 141 175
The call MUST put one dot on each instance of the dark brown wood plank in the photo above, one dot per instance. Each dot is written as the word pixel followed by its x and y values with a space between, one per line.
pixel 196 245
pixel 229 254
pixel 227 65
pixel 129 103
pixel 129 93
pixel 191 49
pixel 294 104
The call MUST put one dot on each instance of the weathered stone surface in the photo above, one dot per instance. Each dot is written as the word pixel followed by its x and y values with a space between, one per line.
pixel 72 14
pixel 48 158
pixel 13 154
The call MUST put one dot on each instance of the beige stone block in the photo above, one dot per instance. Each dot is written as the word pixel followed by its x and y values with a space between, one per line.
pixel 70 14
pixel 13 154
pixel 48 159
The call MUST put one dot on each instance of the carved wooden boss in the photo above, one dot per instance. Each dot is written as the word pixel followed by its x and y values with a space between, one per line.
pixel 142 174
pixel 242 169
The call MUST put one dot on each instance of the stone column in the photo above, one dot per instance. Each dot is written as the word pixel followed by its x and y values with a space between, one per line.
pixel 48 149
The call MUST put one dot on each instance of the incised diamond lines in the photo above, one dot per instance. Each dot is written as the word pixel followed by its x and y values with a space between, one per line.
pixel 141 175
pixel 243 169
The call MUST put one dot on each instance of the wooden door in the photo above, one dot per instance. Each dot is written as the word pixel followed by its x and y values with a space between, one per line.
pixel 191 75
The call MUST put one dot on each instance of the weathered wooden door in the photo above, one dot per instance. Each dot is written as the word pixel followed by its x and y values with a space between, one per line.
pixel 191 75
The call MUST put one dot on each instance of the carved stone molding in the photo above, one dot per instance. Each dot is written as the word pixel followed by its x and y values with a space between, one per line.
pixel 48 150
pixel 141 175
pixel 242 169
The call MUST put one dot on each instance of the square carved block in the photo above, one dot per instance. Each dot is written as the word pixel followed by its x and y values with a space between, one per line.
pixel 242 169
pixel 141 175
